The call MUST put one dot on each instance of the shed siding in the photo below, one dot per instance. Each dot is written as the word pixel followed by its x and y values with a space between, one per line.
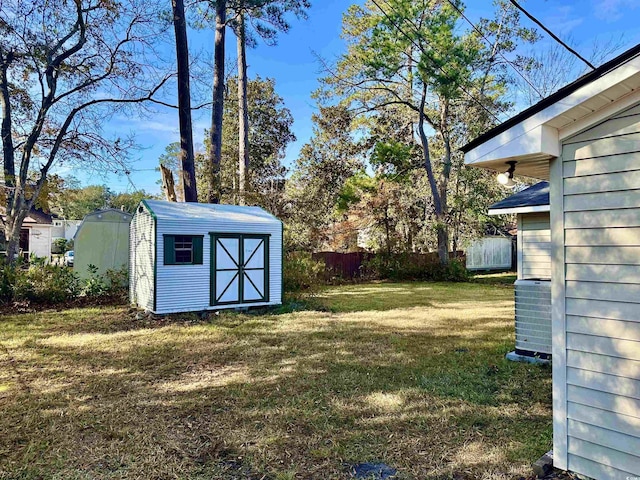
pixel 600 192
pixel 535 245
pixel 183 288
pixel 141 261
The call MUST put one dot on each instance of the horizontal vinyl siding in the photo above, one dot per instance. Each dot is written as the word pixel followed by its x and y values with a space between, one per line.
pixel 535 245
pixel 604 273
pixel 141 257
pixel 601 188
pixel 591 404
pixel 598 469
pixel 183 288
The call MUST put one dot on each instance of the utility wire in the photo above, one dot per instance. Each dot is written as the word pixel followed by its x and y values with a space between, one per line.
pixel 489 42
pixel 417 31
pixel 553 35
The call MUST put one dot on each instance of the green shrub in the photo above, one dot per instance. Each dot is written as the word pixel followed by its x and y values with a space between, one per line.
pixel 117 282
pixel 302 275
pixel 8 274
pixel 454 271
pixel 94 285
pixel 39 282
pixel 403 266
pixel 59 245
pixel 45 283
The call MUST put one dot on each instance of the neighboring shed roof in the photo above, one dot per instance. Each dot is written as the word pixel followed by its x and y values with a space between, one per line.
pixel 164 210
pixel 109 210
pixel 532 199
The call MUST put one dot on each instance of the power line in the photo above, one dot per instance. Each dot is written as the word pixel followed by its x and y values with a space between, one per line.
pixel 553 35
pixel 419 47
pixel 509 62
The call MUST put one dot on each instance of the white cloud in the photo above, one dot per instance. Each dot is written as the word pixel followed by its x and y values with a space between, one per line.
pixel 612 10
pixel 564 20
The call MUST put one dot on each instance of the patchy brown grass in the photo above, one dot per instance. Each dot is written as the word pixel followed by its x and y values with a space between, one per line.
pixel 411 375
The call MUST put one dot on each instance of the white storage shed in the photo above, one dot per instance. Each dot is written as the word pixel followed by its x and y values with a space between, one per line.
pixel 585 139
pixel 193 256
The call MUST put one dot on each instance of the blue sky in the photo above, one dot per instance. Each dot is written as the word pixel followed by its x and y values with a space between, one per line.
pixel 293 65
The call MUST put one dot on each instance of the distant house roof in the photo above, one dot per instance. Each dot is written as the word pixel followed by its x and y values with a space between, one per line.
pixel 530 200
pixel 206 211
pixel 35 217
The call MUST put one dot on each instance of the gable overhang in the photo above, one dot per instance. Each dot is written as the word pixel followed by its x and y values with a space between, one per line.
pixel 527 209
pixel 533 137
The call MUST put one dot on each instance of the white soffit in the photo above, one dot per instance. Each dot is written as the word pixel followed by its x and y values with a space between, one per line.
pixel 533 209
pixel 536 138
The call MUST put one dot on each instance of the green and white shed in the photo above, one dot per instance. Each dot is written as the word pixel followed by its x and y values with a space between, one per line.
pixel 193 257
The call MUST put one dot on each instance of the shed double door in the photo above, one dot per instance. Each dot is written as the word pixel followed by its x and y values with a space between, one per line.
pixel 239 268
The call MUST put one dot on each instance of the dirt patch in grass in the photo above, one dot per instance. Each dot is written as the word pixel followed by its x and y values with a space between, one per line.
pixel 410 375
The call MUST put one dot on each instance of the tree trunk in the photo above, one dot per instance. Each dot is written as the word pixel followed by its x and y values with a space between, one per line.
pixel 443 236
pixel 168 184
pixel 11 234
pixel 443 243
pixel 187 159
pixel 243 112
pixel 215 134
pixel 438 204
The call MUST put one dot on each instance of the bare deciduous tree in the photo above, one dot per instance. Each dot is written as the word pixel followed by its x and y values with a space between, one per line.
pixel 65 67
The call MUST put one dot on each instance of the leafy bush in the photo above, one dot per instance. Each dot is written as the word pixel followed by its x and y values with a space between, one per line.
pixel 454 271
pixel 40 282
pixel 117 282
pixel 302 274
pixel 8 274
pixel 45 283
pixel 94 286
pixel 403 266
pixel 60 245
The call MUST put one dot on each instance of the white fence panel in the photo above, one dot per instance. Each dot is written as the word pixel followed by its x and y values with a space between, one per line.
pixel 489 253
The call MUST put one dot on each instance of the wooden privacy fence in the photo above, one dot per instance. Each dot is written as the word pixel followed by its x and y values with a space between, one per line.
pixel 350 266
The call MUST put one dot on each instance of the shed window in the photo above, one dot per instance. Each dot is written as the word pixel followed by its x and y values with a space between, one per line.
pixel 183 249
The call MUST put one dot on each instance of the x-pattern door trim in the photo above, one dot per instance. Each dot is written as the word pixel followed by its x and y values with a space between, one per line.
pixel 241 267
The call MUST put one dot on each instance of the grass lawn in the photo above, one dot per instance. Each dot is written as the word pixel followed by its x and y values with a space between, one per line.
pixel 409 374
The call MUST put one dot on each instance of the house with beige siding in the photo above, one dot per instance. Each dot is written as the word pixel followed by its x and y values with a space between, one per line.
pixel 533 284
pixel 585 141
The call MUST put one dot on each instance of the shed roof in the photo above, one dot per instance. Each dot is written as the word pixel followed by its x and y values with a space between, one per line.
pixel 529 200
pixel 97 213
pixel 164 210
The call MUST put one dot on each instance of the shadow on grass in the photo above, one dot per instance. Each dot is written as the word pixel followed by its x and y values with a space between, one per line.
pixel 424 389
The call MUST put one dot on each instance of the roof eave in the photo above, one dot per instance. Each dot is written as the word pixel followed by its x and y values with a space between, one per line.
pixel 527 209
pixel 533 137
pixel 555 97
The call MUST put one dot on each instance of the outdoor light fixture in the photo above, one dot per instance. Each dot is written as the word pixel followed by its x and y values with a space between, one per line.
pixel 506 178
